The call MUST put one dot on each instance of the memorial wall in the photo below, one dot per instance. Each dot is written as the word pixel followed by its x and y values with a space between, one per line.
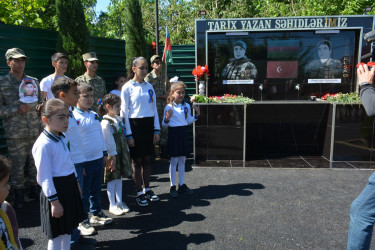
pixel 282 58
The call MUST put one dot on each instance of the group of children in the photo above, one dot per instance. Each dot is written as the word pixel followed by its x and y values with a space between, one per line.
pixel 79 147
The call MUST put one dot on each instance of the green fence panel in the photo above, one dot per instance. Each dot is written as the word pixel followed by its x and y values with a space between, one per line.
pixel 39 45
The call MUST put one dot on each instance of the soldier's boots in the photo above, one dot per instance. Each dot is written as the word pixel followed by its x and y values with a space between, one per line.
pixel 19 200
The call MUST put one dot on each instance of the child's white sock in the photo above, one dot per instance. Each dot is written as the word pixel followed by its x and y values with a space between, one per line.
pixel 111 193
pixel 181 169
pixel 172 170
pixel 60 242
pixel 118 190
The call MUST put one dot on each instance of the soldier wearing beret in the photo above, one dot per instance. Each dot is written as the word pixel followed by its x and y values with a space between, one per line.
pixel 19 94
pixel 91 63
pixel 239 67
pixel 157 79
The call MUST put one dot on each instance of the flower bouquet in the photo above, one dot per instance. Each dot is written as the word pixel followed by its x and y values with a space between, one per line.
pixel 201 73
pixel 348 98
pixel 226 98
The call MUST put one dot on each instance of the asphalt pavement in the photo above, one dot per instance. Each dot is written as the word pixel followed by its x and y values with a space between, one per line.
pixel 232 208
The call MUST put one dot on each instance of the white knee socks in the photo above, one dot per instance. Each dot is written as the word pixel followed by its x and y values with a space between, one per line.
pixel 114 192
pixel 180 160
pixel 60 242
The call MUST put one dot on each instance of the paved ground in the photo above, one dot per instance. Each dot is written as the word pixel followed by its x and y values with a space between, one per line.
pixel 232 208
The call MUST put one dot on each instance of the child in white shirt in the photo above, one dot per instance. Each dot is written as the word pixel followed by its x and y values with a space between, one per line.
pixel 177 117
pixel 119 165
pixel 61 205
pixel 95 153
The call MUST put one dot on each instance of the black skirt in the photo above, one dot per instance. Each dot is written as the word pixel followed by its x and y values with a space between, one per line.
pixel 70 199
pixel 143 135
pixel 178 141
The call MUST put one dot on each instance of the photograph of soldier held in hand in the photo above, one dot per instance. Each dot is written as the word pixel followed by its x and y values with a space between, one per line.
pixel 28 91
pixel 239 67
pixel 325 67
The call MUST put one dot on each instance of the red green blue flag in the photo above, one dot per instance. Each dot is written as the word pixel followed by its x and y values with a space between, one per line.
pixel 167 54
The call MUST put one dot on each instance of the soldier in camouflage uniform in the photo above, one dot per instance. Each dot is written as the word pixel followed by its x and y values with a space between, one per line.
pixel 21 124
pixel 157 80
pixel 239 67
pixel 91 63
pixel 325 67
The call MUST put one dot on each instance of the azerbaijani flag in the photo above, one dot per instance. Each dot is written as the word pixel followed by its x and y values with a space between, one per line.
pixel 167 54
pixel 283 49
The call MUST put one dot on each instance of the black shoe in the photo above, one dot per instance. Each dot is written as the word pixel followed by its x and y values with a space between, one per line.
pixel 151 196
pixel 141 200
pixel 172 192
pixel 19 200
pixel 185 190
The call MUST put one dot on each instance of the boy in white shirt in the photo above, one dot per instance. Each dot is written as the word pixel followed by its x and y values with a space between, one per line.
pixel 95 152
pixel 60 63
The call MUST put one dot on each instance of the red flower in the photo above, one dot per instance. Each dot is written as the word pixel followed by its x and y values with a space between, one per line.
pixel 200 71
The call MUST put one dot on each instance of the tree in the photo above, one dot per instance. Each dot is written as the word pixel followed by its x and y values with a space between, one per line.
pixel 134 32
pixel 26 12
pixel 73 34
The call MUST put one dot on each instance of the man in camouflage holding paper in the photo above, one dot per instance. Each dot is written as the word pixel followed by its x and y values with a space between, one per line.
pixel 21 124
pixel 91 63
pixel 158 81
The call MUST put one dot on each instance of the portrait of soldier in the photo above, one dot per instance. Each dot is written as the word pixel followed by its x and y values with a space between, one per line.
pixel 326 67
pixel 239 67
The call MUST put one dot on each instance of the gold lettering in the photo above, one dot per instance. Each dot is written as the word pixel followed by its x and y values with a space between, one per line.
pixel 332 22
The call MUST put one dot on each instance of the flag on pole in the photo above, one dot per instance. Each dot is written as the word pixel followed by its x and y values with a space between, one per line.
pixel 167 54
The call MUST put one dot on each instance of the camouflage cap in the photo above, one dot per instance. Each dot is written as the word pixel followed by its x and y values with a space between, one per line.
pixel 91 56
pixel 15 53
pixel 154 58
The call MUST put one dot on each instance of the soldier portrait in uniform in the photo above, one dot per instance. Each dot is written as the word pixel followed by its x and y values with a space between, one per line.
pixel 325 67
pixel 239 67
pixel 28 91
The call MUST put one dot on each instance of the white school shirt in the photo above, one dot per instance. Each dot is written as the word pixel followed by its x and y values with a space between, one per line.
pixel 138 100
pixel 108 131
pixel 45 85
pixel 181 115
pixel 91 133
pixel 52 159
pixel 74 140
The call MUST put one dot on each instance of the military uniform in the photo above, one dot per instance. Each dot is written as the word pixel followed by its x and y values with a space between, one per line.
pixel 20 131
pixel 332 68
pixel 98 84
pixel 158 83
pixel 239 69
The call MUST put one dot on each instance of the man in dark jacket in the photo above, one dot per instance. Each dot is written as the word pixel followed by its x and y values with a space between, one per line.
pixel 362 210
